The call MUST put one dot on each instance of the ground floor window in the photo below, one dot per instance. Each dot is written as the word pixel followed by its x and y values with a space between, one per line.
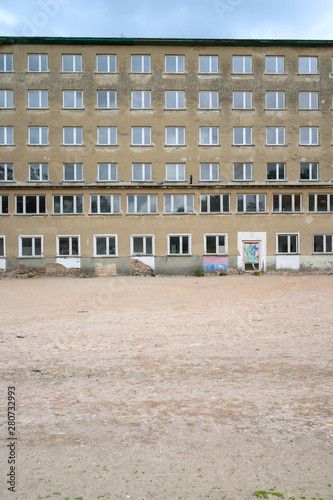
pixel 287 243
pixel 3 205
pixel 323 243
pixel 215 244
pixel 179 244
pixel 2 246
pixel 30 246
pixel 105 245
pixel 68 246
pixel 142 245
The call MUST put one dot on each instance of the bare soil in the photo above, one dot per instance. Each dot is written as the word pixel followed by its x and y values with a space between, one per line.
pixel 168 387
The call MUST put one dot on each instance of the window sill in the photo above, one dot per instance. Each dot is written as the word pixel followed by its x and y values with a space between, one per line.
pixel 276 145
pixel 275 74
pixel 7 182
pixel 30 215
pixel 141 73
pixel 175 109
pixel 39 145
pixel 173 73
pixel 252 213
pixel 66 214
pixel 309 145
pixel 179 255
pixel 139 109
pixel 73 109
pixel 106 109
pixel 142 145
pixel 73 145
pixel 308 74
pixel 242 74
pixel 143 213
pixel 107 145
pixel 8 145
pixel 276 180
pixel 105 256
pixel 7 109
pixel 179 213
pixel 309 109
pixel 286 212
pixel 275 109
pixel 30 256
pixel 144 181
pixel 242 145
pixel 104 213
pixel 209 74
pixel 309 180
pixel 243 109
pixel 210 145
pixel 38 72
pixel 71 72
pixel 68 182
pixel 37 109
pixel 209 109
pixel 106 72
pixel 215 213
pixel 243 180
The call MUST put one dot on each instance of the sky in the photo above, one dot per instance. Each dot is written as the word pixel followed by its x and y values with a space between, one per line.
pixel 263 19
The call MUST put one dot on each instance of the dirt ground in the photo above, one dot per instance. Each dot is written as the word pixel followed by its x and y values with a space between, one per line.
pixel 168 387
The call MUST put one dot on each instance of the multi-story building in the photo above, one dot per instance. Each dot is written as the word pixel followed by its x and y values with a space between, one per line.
pixel 167 154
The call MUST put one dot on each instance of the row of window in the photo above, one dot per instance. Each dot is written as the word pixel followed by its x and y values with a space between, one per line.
pixel 174 99
pixel 177 244
pixel 72 63
pixel 173 204
pixel 174 172
pixel 174 136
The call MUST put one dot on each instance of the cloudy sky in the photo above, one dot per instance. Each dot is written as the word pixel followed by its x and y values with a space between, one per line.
pixel 298 19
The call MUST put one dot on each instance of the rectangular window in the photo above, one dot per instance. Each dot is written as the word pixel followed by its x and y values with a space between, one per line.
pixel 309 136
pixel 37 99
pixel 68 204
pixel 68 246
pixel 323 243
pixel 215 244
pixel 242 171
pixel 215 203
pixel 174 64
pixel 276 171
pixel 208 100
pixel 320 202
pixel 242 100
pixel 28 204
pixel 72 136
pixel 287 203
pixel 38 136
pixel 107 99
pixel 105 204
pixel 73 99
pixel 309 172
pixel 209 171
pixel 178 203
pixel 6 98
pixel 175 172
pixel 175 136
pixel 209 136
pixel 242 64
pixel 6 62
pixel 175 99
pixel 142 204
pixel 208 64
pixel 251 203
pixel 141 172
pixel 142 245
pixel 308 100
pixel 30 246
pixel 73 171
pixel 106 136
pixel 140 64
pixel 307 65
pixel 105 245
pixel 2 246
pixel 72 63
pixel 275 136
pixel 179 244
pixel 106 64
pixel 37 62
pixel 287 243
pixel 141 136
pixel 6 172
pixel 242 136
pixel 275 100
pixel 275 64
pixel 38 172
pixel 141 99
pixel 6 136
pixel 4 205
pixel 107 172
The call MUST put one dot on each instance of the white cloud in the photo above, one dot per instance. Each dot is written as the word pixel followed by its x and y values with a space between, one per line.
pixel 8 18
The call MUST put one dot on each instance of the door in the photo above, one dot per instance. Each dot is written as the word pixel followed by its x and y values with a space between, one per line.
pixel 251 256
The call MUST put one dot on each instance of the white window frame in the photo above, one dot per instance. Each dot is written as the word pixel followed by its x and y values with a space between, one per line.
pixel 312 68
pixel 288 244
pixel 143 136
pixel 115 203
pixel 222 198
pixel 276 61
pixel 42 58
pixel 312 98
pixel 6 167
pixel 76 138
pixel 244 60
pixel 187 204
pixel 33 236
pixel 277 171
pixel 247 168
pixel 75 204
pixel 41 139
pixel 7 99
pixel 76 95
pixel 213 99
pixel 111 136
pixel 41 93
pixel 211 167
pixel 110 64
pixel 211 132
pixel 149 203
pixel 76 63
pixel 276 143
pixel 42 167
pixel 143 168
pixel 310 166
pixel 180 99
pixel 178 66
pixel 180 172
pixel 246 96
pixel 107 237
pixel 144 59
pixel 246 141
pixel 4 204
pixel 111 167
pixel 8 136
pixel 311 136
pixel 315 204
pixel 38 203
pixel 144 236
pixel 111 99
pixel 78 172
pixel 3 239
pixel 144 96
pixel 180 236
pixel 6 60
pixel 70 238
pixel 325 237
pixel 293 203
pixel 277 104
pixel 217 236
pixel 244 211
pixel 210 64
pixel 177 136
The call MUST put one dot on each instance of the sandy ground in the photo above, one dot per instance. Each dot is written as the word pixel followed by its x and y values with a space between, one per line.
pixel 168 387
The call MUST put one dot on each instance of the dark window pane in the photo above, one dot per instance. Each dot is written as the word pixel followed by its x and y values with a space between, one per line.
pixel 75 246
pixel 149 245
pixel 215 203
pixel 174 244
pixel 64 246
pixel 185 245
pixel 318 243
pixel 101 246
pixel 138 245
pixel 211 244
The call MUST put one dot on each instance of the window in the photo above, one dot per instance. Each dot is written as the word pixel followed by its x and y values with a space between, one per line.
pixel 68 246
pixel 30 204
pixel 142 204
pixel 73 99
pixel 276 171
pixel 107 171
pixel 286 202
pixel 38 172
pixel 6 172
pixel 6 136
pixel 179 244
pixel 141 136
pixel 215 203
pixel 275 64
pixel 105 245
pixel 106 136
pixel 6 62
pixel 174 64
pixel 105 204
pixel 6 98
pixel 38 136
pixel 142 245
pixel 275 100
pixel 37 62
pixel 309 136
pixel 140 64
pixel 107 99
pixel 242 171
pixel 287 243
pixel 209 171
pixel 308 100
pixel 30 246
pixel 242 136
pixel 242 64
pixel 323 243
pixel 275 136
pixel 141 172
pixel 309 172
pixel 73 171
pixel 2 246
pixel 68 204
pixel 141 99
pixel 215 244
pixel 37 98
pixel 175 172
pixel 106 64
pixel 307 65
pixel 175 100
pixel 208 100
pixel 72 63
pixel 209 136
pixel 251 203
pixel 175 136
pixel 3 205
pixel 72 136
pixel 242 100
pixel 320 202
pixel 178 203
pixel 208 64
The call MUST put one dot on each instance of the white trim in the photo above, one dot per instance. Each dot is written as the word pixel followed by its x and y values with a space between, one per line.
pixel 33 246
pixel 115 236
pixel 180 235
pixel 145 245
pixel 70 236
pixel 216 235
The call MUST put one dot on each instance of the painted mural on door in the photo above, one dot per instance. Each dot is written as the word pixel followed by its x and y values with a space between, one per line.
pixel 251 255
